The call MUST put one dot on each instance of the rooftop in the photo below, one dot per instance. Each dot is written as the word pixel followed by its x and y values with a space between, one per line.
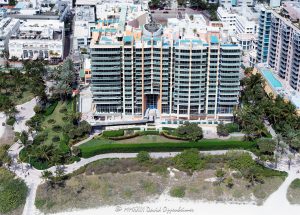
pixel 85 13
pixel 40 29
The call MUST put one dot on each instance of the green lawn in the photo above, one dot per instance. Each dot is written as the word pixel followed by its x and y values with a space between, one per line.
pixel 58 117
pixel 97 146
pixel 149 139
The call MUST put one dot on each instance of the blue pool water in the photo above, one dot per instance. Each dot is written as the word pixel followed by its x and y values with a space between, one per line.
pixel 271 78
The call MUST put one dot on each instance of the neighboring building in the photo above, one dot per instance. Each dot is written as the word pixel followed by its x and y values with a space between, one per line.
pixel 241 20
pixel 4 2
pixel 247 41
pixel 235 3
pixel 275 3
pixel 8 26
pixel 45 10
pixel 85 72
pixel 84 22
pixel 263 35
pixel 38 39
pixel 187 70
pixel 276 86
pixel 279 44
pixel 252 58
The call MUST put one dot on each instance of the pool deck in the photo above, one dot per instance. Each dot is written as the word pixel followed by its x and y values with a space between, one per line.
pixel 278 86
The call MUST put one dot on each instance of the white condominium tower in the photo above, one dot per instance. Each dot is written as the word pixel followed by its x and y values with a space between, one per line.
pixel 187 69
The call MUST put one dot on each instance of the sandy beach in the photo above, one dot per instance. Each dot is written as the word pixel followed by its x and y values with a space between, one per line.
pixel 169 205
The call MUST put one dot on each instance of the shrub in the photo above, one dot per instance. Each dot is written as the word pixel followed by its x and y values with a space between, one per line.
pixel 143 156
pixel 57 128
pixel 232 127
pixel 65 118
pixel 178 192
pixel 11 121
pixel 221 130
pixel 190 130
pixel 56 139
pixel 63 110
pixel 51 121
pixel 113 133
pixel 49 110
pixel 188 160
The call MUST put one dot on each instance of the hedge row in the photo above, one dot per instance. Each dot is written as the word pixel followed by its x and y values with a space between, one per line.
pixel 168 129
pixel 204 145
pixel 149 132
pixel 125 137
pixel 165 134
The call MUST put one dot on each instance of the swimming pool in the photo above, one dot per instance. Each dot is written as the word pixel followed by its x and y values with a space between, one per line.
pixel 269 76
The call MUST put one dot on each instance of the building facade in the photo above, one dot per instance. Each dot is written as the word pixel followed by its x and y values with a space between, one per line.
pixel 263 35
pixel 279 46
pixel 35 39
pixel 180 71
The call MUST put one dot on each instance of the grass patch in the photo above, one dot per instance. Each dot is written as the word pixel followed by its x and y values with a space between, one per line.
pixel 293 194
pixel 178 192
pixel 13 192
pixel 89 150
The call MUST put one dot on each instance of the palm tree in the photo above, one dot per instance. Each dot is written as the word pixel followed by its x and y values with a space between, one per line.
pixel 45 152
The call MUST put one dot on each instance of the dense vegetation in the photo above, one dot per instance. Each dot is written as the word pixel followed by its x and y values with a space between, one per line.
pixel 17 87
pixel 56 122
pixel 258 106
pixel 13 191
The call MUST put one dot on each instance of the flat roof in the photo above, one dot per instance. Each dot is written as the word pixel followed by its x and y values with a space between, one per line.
pixel 214 39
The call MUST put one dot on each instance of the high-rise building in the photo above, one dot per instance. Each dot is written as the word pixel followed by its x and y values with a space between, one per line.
pixel 263 35
pixel 281 44
pixel 185 70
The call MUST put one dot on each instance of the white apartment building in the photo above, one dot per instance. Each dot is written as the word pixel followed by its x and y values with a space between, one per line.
pixel 4 2
pixel 235 3
pixel 38 39
pixel 83 25
pixel 238 22
pixel 8 26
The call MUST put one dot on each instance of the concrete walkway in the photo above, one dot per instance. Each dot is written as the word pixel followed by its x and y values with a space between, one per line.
pixel 87 139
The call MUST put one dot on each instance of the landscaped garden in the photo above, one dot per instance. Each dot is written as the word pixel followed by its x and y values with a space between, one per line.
pixel 232 177
pixel 185 136
pixel 58 127
pixel 293 194
pixel 56 124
